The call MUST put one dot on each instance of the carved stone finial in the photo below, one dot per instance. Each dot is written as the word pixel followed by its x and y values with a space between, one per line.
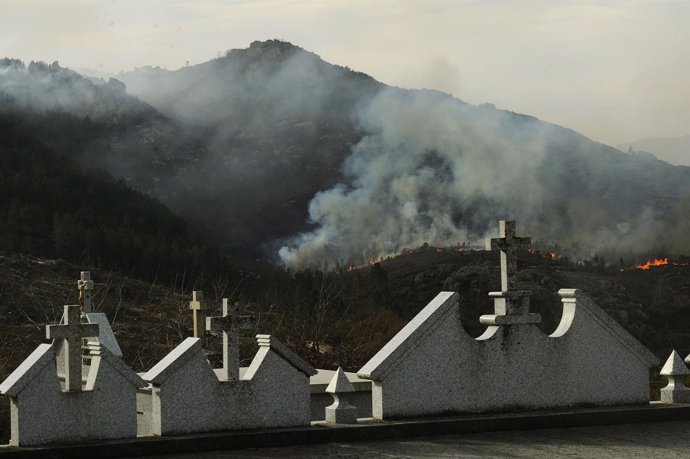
pixel 675 371
pixel 341 411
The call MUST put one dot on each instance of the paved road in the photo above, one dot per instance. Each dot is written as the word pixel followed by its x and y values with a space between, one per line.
pixel 654 440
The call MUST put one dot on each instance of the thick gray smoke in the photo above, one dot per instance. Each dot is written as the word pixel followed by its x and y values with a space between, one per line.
pixel 435 170
pixel 276 124
pixel 39 88
pixel 237 145
pixel 242 145
pixel 412 179
pixel 96 124
pixel 423 167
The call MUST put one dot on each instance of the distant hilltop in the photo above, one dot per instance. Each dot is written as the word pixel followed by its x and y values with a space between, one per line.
pixel 673 150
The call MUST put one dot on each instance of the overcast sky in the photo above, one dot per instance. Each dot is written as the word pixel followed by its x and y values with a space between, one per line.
pixel 615 71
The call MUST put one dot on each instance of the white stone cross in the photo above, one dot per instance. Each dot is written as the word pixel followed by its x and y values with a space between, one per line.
pixel 231 322
pixel 508 244
pixel 85 285
pixel 197 306
pixel 72 331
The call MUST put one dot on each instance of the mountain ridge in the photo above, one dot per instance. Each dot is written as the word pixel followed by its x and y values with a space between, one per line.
pixel 674 150
pixel 270 147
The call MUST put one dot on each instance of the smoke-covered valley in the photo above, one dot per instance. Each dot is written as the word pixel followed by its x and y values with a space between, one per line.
pixel 272 152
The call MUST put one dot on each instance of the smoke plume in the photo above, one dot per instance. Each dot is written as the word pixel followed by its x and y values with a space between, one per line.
pixel 271 147
pixel 433 169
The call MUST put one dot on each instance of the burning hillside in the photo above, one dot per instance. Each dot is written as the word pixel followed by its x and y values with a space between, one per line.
pixel 355 171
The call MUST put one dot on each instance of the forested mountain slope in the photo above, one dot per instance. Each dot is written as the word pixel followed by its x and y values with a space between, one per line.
pixel 271 152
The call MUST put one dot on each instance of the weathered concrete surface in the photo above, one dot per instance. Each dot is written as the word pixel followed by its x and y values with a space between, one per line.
pixel 652 440
pixel 589 360
pixel 185 395
pixel 42 412
pixel 433 367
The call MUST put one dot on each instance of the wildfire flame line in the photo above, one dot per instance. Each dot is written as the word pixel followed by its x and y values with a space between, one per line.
pixel 656 262
pixel 650 263
pixel 370 262
pixel 437 250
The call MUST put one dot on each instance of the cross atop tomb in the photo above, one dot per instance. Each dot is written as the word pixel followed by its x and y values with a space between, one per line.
pixel 72 331
pixel 85 285
pixel 511 307
pixel 198 307
pixel 231 322
pixel 508 244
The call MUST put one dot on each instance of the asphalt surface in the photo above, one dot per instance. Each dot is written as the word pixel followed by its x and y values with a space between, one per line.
pixel 652 440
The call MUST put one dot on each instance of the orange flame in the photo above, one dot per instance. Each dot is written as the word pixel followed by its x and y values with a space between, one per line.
pixel 656 262
pixel 650 263
pixel 552 255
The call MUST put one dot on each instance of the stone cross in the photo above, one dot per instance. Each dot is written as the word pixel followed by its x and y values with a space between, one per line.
pixel 85 285
pixel 72 331
pixel 231 322
pixel 198 308
pixel 511 307
pixel 508 244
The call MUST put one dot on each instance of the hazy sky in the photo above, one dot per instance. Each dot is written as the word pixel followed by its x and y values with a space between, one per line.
pixel 615 71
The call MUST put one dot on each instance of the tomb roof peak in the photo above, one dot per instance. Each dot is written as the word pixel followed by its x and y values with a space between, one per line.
pixel 289 356
pixel 43 355
pixel 174 360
